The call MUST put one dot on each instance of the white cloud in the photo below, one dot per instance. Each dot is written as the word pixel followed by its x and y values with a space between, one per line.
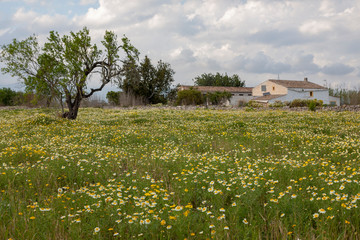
pixel 37 23
pixel 87 2
pixel 315 27
pixel 24 16
pixel 255 38
pixel 4 31
pixel 42 2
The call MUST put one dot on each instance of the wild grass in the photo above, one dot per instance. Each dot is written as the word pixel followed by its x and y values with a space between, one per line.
pixel 172 174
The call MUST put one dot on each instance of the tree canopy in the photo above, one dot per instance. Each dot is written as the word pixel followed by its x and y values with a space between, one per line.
pixel 152 83
pixel 63 67
pixel 209 79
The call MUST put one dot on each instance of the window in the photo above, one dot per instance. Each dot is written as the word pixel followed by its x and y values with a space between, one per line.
pixel 263 88
pixel 332 103
pixel 273 88
pixel 311 94
pixel 241 94
pixel 249 94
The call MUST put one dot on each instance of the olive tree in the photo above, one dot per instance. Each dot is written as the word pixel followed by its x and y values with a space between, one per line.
pixel 64 65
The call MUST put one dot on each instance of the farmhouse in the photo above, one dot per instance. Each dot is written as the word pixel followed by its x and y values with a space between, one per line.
pixel 272 90
pixel 239 94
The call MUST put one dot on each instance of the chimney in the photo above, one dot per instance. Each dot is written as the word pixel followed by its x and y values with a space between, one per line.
pixel 306 79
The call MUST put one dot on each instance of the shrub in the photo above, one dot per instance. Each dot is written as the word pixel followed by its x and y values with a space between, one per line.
pixel 306 103
pixel 217 98
pixel 113 97
pixel 189 97
pixel 278 104
pixel 253 104
pixel 298 103
pixel 7 97
pixel 312 106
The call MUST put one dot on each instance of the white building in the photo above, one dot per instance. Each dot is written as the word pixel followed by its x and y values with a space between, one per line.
pixel 271 91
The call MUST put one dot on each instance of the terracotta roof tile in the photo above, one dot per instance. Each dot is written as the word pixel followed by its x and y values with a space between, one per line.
pixel 218 89
pixel 297 84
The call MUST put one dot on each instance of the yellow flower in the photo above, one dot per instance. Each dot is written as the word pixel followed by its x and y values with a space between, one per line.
pixel 186 213
pixel 245 221
pixel 32 217
pixel 168 227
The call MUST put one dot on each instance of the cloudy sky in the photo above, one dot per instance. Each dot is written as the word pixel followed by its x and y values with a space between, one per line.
pixel 256 39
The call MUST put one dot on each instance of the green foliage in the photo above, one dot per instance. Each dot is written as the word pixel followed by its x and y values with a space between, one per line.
pixel 189 97
pixel 7 97
pixel 306 103
pixel 63 66
pixel 209 79
pixel 217 98
pixel 253 104
pixel 312 106
pixel 151 83
pixel 113 97
pixel 277 104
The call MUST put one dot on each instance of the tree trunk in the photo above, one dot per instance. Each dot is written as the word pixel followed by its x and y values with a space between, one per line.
pixel 73 107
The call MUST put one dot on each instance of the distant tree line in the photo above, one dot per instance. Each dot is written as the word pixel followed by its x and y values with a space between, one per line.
pixel 9 97
pixel 209 79
pixel 347 96
pixel 153 85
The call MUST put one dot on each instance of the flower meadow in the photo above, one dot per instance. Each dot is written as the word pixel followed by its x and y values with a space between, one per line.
pixel 179 174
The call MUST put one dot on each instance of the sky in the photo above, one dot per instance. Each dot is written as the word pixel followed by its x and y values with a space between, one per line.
pixel 255 39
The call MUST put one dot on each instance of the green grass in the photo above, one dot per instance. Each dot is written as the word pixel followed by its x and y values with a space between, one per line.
pixel 173 174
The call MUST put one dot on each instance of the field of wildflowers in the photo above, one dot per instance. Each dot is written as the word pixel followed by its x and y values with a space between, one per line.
pixel 175 174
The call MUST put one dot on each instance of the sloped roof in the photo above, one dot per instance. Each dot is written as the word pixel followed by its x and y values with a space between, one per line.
pixel 218 89
pixel 297 84
pixel 267 97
